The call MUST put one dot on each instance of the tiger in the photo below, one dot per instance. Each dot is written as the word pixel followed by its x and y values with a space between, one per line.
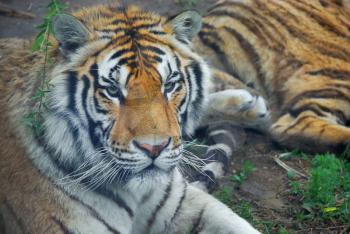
pixel 290 60
pixel 125 86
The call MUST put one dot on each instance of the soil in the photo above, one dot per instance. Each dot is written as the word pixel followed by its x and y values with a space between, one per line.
pixel 266 189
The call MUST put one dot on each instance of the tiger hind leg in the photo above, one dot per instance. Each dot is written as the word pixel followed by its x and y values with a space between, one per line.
pixel 311 133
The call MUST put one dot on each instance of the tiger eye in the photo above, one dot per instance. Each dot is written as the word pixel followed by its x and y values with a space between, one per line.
pixel 112 90
pixel 169 86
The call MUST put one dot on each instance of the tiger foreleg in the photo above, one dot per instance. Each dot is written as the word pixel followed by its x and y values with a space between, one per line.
pixel 202 213
pixel 310 133
pixel 222 140
pixel 232 100
pixel 239 107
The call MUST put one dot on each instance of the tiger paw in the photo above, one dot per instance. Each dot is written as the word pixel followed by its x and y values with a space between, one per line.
pixel 241 107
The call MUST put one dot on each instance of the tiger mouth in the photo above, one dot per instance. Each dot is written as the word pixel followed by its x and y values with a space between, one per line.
pixel 151 171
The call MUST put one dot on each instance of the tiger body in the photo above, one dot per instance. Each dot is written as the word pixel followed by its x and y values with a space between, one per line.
pixel 293 53
pixel 82 174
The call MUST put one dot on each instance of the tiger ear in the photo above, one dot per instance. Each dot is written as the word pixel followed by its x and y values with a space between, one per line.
pixel 69 32
pixel 186 25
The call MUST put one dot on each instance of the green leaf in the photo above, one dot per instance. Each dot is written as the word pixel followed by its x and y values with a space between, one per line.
pixel 38 42
pixel 290 174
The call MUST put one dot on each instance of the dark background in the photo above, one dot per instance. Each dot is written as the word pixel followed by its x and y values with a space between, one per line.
pixel 24 28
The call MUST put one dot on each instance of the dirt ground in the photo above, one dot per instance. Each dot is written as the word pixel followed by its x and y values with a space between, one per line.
pixel 266 188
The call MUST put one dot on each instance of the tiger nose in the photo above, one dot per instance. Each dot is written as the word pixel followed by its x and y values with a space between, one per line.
pixel 152 149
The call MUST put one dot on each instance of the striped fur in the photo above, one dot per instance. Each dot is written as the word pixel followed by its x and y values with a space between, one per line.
pixel 221 147
pixel 85 174
pixel 296 55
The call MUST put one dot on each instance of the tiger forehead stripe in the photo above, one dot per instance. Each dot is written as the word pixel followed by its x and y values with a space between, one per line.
pixel 131 18
pixel 129 30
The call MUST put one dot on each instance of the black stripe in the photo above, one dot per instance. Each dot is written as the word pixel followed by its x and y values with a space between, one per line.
pixel 91 210
pixel 321 21
pixel 252 54
pixel 102 94
pixel 221 138
pixel 198 77
pixel 332 73
pixel 156 32
pixel 178 89
pixel 84 94
pixel 336 112
pixel 182 40
pixel 153 216
pixel 212 40
pixel 119 53
pixel 179 204
pixel 146 197
pixel 299 121
pixel 253 26
pixel 306 126
pixel 127 20
pixel 115 198
pixel 217 155
pixel 72 83
pixel 94 213
pixel 307 107
pixel 108 80
pixel 146 26
pixel 208 178
pixel 92 125
pixel 152 49
pixel 126 60
pixel 66 168
pixel 120 41
pixel 326 93
pixel 196 226
pixel 258 22
pixel 184 116
pixel 62 226
pixel 319 110
pixel 257 17
pixel 282 73
pixel 178 66
pixel 155 59
pixel 327 49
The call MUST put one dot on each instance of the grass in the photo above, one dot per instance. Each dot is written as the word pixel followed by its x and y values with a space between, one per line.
pixel 245 210
pixel 321 201
pixel 325 196
pixel 242 174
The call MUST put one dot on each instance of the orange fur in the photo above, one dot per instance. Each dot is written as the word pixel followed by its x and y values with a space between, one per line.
pixel 30 202
pixel 296 54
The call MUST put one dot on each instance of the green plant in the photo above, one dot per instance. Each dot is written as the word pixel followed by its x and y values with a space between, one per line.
pixel 42 44
pixel 247 168
pixel 187 4
pixel 326 195
pixel 224 195
pixel 245 210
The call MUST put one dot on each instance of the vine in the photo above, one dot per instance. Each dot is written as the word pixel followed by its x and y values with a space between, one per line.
pixel 42 45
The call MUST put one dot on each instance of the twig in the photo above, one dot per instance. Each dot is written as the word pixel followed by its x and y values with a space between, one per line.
pixel 7 11
pixel 278 160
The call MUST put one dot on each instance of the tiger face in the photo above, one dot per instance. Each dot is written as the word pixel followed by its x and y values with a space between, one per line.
pixel 126 87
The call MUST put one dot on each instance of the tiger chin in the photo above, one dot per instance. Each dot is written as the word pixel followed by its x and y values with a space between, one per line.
pixel 125 85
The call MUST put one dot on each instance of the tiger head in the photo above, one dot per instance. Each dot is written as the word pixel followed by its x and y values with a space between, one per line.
pixel 126 87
